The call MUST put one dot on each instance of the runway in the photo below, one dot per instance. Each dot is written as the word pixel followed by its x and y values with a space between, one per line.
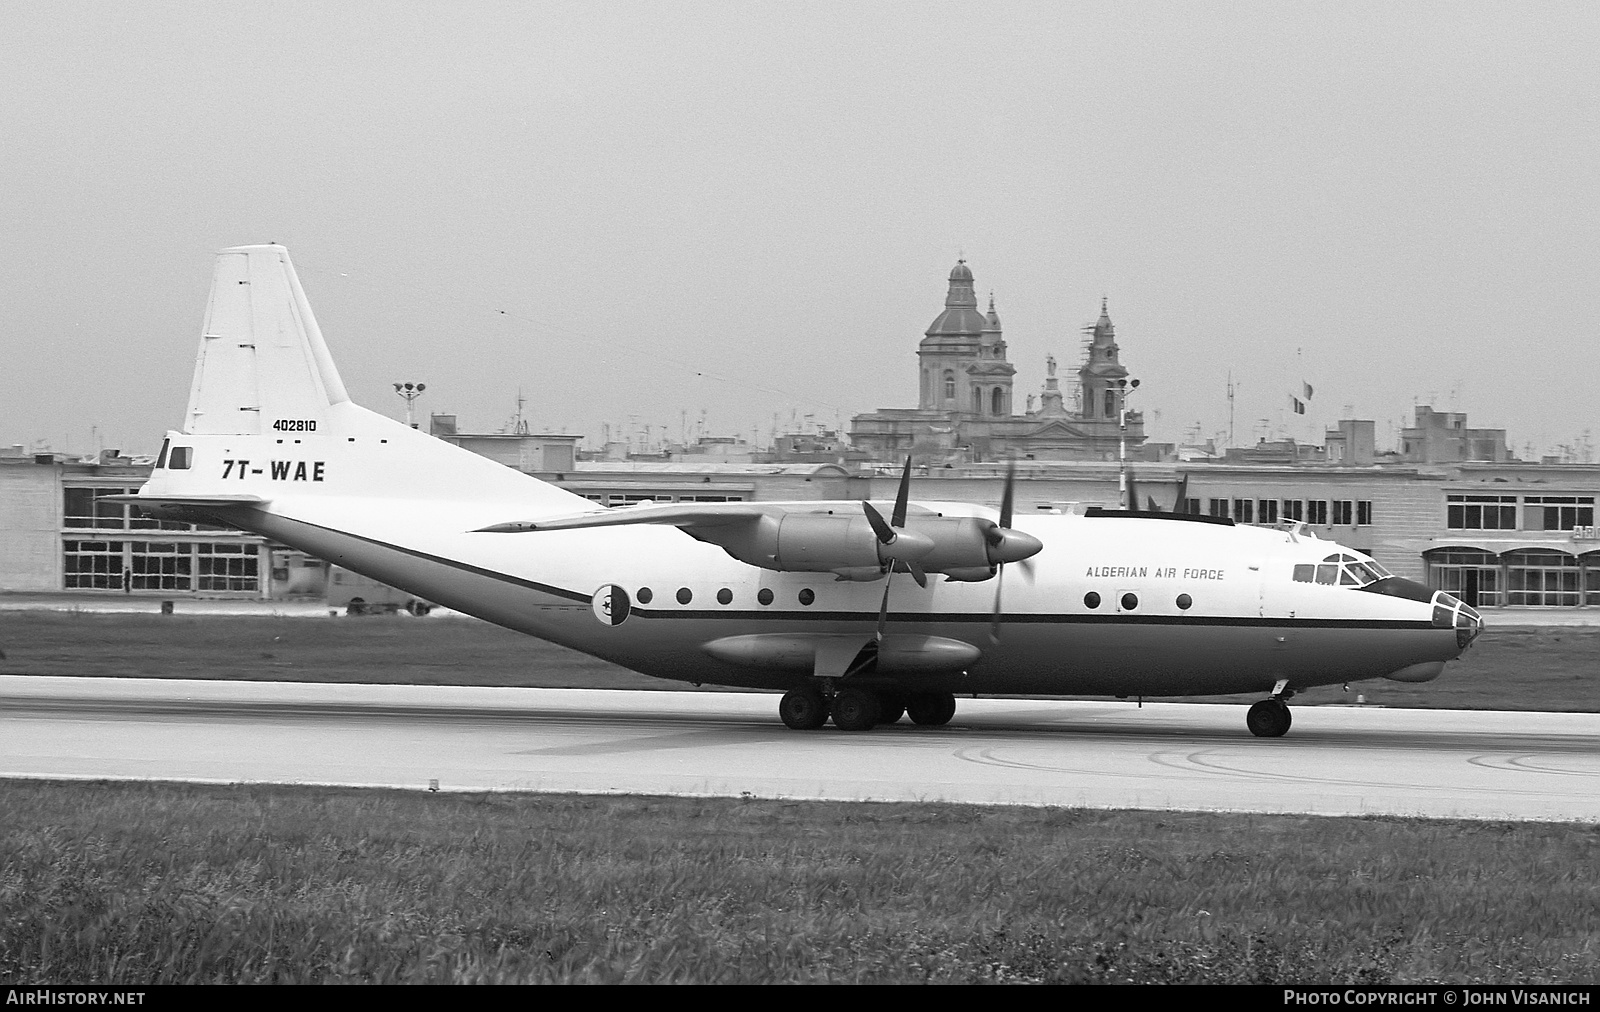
pixel 1197 757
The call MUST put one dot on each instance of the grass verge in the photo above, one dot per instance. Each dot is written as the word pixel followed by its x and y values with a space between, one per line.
pixel 149 883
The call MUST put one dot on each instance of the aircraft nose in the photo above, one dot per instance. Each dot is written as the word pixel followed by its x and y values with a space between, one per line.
pixel 1450 612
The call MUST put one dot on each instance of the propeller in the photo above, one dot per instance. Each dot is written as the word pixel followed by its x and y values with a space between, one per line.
pixel 899 549
pixel 1007 545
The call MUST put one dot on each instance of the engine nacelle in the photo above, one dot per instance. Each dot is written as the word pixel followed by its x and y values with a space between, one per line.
pixel 845 544
pixel 803 543
pixel 958 542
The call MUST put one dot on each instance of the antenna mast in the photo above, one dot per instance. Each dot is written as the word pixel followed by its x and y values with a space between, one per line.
pixel 1230 407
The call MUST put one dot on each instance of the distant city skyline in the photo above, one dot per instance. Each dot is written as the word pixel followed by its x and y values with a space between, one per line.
pixel 637 211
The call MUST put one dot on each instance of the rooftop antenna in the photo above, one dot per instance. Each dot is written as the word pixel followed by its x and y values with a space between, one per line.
pixel 1231 389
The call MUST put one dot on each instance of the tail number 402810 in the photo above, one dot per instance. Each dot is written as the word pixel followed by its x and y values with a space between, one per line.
pixel 295 425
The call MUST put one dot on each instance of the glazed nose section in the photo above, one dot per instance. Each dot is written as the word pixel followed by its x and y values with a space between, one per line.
pixel 1449 612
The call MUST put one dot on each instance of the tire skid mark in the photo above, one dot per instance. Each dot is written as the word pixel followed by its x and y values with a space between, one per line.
pixel 1524 763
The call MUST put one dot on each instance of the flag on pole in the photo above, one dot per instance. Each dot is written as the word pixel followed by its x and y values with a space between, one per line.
pixel 1307 387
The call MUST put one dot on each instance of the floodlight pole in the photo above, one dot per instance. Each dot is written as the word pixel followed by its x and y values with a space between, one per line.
pixel 1124 388
pixel 410 391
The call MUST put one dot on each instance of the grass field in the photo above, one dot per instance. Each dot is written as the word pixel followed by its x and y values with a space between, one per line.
pixel 1512 668
pixel 136 883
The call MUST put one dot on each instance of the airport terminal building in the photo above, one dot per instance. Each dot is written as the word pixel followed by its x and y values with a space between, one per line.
pixel 1497 534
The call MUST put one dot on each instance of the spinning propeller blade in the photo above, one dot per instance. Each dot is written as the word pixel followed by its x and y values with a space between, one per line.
pixel 1007 545
pixel 901 549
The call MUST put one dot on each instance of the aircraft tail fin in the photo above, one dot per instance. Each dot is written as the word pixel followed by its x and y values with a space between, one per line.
pixel 262 357
pixel 269 419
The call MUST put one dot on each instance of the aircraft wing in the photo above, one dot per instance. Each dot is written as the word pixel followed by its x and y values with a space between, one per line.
pixel 670 514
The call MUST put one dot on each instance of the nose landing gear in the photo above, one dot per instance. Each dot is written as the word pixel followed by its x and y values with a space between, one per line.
pixel 1270 718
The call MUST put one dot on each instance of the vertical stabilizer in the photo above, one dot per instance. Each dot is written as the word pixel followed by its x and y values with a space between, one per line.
pixel 262 358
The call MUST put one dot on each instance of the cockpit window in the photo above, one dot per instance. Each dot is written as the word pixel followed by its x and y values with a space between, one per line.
pixel 1342 570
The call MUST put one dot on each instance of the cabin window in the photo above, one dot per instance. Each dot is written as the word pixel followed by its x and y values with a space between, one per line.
pixel 807 595
pixel 181 457
pixel 161 460
pixel 764 595
pixel 724 596
pixel 1185 602
pixel 1304 573
pixel 1091 600
pixel 1130 602
pixel 685 595
pixel 645 595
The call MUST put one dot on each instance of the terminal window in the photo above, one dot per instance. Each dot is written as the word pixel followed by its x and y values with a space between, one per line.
pixel 93 565
pixel 86 508
pixel 1481 512
pixel 1559 512
pixel 227 567
pixel 1267 511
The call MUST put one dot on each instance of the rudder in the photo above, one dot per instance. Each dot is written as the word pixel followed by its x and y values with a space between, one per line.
pixel 262 359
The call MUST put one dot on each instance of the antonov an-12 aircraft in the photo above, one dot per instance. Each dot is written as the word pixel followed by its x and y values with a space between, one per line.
pixel 863 612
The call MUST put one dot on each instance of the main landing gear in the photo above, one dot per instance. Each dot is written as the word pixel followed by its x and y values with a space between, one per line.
pixel 1271 718
pixel 853 709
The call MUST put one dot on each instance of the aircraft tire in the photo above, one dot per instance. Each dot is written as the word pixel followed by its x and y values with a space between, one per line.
pixel 1270 718
pixel 931 709
pixel 855 710
pixel 891 707
pixel 803 709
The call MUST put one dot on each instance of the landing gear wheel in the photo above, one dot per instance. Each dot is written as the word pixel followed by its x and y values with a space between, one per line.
pixel 891 707
pixel 855 710
pixel 931 709
pixel 803 709
pixel 1269 718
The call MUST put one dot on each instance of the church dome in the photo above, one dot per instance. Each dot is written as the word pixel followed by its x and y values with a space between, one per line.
pixel 960 316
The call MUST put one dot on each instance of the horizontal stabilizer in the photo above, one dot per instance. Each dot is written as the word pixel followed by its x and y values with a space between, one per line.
pixel 187 500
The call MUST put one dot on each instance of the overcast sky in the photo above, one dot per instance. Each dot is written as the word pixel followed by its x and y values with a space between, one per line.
pixel 632 211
